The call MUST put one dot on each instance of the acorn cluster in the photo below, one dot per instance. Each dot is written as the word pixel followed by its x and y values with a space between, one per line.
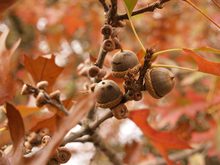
pixel 157 81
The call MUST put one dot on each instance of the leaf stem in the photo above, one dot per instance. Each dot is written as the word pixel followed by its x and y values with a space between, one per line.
pixel 174 66
pixel 199 10
pixel 156 54
pixel 133 29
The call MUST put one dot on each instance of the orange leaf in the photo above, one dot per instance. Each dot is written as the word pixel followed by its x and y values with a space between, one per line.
pixel 25 111
pixel 43 69
pixel 7 67
pixel 163 141
pixel 203 64
pixel 71 20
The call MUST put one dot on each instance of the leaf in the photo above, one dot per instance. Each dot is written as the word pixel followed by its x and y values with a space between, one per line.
pixel 71 21
pixel 203 64
pixel 163 141
pixel 208 49
pixel 43 68
pixel 130 4
pixel 8 64
pixel 16 127
pixel 25 111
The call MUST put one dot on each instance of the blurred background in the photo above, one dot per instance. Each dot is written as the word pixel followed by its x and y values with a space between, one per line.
pixel 70 29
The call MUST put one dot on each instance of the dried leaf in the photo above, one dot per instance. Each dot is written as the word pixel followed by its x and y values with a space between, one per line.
pixel 163 141
pixel 43 69
pixel 16 127
pixel 203 64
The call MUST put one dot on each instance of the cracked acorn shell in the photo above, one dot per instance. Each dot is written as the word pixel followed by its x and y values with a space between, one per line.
pixel 123 61
pixel 159 82
pixel 108 94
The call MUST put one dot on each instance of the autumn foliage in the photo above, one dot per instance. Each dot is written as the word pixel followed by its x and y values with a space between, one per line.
pixel 54 56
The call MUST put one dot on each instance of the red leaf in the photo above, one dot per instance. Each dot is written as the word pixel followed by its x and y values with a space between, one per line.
pixel 16 127
pixel 163 141
pixel 43 69
pixel 203 64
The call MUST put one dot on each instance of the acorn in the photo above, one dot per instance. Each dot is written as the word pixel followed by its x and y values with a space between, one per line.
pixel 123 61
pixel 108 94
pixel 159 82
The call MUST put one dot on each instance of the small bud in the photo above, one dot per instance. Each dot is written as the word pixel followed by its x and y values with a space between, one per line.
pixel 53 162
pixel 45 140
pixel 93 71
pixel 27 146
pixel 25 90
pixel 42 85
pixel 41 99
pixel 120 111
pixel 63 155
pixel 108 45
pixel 106 30
pixel 55 95
pixel 137 96
pixel 92 87
pixel 43 132
pixel 33 138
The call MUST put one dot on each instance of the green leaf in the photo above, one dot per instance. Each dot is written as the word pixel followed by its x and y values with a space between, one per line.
pixel 130 4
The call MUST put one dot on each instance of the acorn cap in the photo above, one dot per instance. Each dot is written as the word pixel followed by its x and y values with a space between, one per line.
pixel 159 82
pixel 108 94
pixel 123 61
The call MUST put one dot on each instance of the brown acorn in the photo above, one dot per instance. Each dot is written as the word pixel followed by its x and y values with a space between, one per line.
pixel 108 94
pixel 159 82
pixel 123 61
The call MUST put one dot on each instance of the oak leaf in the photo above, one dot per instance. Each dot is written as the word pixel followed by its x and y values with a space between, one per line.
pixel 204 65
pixel 43 68
pixel 163 141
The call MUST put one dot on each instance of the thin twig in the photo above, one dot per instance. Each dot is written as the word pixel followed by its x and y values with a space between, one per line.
pixel 89 129
pixel 104 5
pixel 99 143
pixel 150 8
